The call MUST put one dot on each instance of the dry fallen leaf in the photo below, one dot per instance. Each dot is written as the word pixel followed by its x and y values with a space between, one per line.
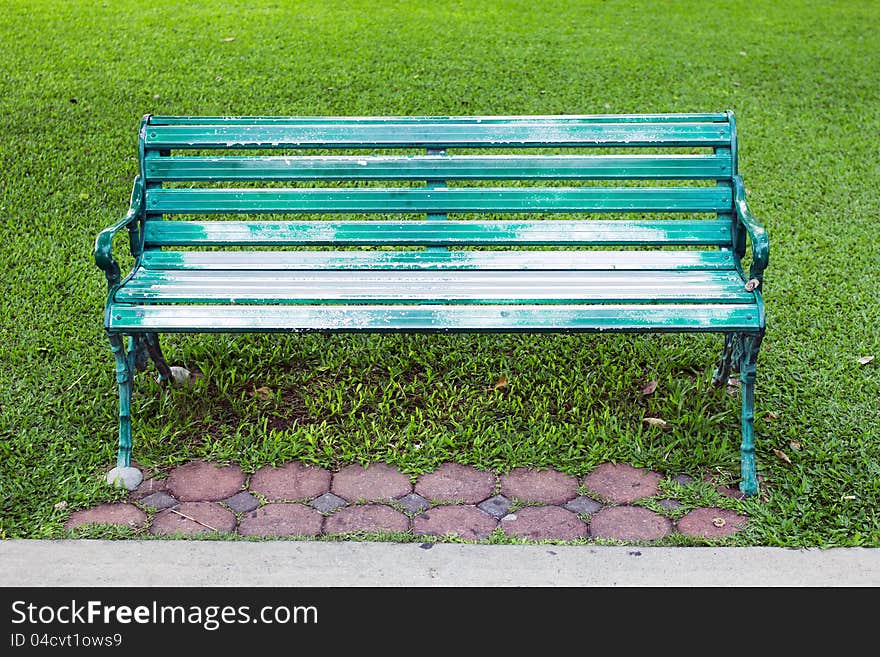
pixel 771 416
pixel 782 455
pixel 227 39
pixel 719 522
pixel 650 387
pixel 849 497
pixel 864 360
pixel 501 383
pixel 262 392
pixel 795 445
pixel 60 505
pixel 654 421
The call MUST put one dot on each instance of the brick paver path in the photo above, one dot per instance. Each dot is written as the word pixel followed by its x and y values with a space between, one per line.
pixel 616 502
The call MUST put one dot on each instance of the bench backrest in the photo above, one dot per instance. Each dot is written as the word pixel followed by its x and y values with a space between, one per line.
pixel 635 170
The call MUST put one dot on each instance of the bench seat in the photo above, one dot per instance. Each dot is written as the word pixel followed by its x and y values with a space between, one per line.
pixel 435 291
pixel 493 318
pixel 425 291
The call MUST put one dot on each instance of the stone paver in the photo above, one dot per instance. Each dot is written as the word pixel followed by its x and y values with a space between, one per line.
pixel 453 482
pixel 711 522
pixel 327 503
pixel 148 487
pixel 366 518
pixel 413 503
pixel 121 514
pixel 281 519
pixel 376 482
pixel 465 521
pixel 242 502
pixel 291 481
pixel 622 483
pixel 544 523
pixel 307 500
pixel 193 518
pixel 543 486
pixel 583 505
pixel 159 501
pixel 205 481
pixel 497 506
pixel 730 491
pixel 629 523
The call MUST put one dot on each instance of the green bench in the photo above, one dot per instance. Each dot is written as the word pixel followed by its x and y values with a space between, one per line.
pixel 564 224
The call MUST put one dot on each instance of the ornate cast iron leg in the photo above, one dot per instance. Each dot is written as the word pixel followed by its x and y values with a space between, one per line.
pixel 748 357
pixel 148 346
pixel 123 474
pixel 722 372
pixel 151 342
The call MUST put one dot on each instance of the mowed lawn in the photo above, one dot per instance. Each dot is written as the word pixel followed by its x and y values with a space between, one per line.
pixel 802 78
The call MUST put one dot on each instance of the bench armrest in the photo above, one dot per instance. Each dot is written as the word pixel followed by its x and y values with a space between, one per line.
pixel 104 242
pixel 758 238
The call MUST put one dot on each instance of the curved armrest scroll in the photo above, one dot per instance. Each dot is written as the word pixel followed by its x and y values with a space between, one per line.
pixel 104 242
pixel 757 233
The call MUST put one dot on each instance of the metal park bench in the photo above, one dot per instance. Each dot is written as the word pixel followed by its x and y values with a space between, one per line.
pixel 603 223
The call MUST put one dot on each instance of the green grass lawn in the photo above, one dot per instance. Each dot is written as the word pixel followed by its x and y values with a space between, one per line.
pixel 801 77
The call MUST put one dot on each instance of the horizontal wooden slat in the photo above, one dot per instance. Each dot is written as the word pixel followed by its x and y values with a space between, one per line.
pixel 718 318
pixel 407 287
pixel 360 120
pixel 459 167
pixel 437 233
pixel 449 134
pixel 461 199
pixel 438 260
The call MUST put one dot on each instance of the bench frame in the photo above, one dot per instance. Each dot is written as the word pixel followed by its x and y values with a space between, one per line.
pixel 134 349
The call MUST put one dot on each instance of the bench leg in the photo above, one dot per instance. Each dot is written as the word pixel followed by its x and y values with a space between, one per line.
pixel 151 342
pixel 748 357
pixel 148 346
pixel 123 475
pixel 722 372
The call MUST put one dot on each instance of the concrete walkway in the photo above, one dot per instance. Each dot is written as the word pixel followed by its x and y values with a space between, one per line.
pixel 289 563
